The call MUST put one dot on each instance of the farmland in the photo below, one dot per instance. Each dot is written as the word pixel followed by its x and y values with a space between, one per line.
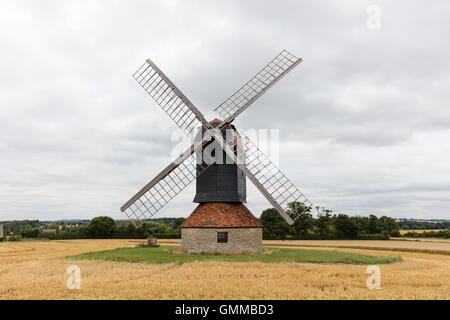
pixel 402 232
pixel 37 270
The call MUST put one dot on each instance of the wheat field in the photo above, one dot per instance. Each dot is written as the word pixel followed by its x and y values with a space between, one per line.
pixel 37 270
pixel 402 232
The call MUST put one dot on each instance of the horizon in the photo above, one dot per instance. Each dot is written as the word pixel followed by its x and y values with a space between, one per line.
pixel 258 217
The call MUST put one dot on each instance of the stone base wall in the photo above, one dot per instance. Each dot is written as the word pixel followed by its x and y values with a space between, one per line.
pixel 204 240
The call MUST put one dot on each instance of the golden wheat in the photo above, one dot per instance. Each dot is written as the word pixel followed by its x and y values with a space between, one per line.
pixel 419 231
pixel 36 270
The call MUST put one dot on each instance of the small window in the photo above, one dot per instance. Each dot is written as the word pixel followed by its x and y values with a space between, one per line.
pixel 222 237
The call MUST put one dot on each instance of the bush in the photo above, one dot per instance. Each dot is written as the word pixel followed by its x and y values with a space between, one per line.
pixel 370 236
pixel 411 235
pixel 430 234
pixel 102 227
pixel 14 238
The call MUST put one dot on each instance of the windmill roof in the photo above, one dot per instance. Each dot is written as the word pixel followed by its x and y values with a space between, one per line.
pixel 221 215
pixel 237 140
pixel 215 120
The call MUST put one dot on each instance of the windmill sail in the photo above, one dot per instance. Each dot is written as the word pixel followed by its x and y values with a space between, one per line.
pixel 285 197
pixel 255 87
pixel 181 172
pixel 288 197
pixel 271 182
pixel 173 102
pixel 166 185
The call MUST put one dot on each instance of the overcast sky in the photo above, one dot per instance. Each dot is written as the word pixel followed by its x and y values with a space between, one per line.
pixel 364 121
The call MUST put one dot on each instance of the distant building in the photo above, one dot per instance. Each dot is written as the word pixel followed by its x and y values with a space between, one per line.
pixel 49 231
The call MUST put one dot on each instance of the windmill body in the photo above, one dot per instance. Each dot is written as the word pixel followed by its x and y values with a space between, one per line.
pixel 220 182
pixel 221 223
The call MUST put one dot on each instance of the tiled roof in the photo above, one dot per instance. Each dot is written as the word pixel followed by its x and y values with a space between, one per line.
pixel 215 121
pixel 221 215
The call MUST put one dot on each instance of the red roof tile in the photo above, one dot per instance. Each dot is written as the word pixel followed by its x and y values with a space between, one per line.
pixel 221 215
pixel 215 121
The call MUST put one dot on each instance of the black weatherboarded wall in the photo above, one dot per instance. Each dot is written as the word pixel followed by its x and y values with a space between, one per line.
pixel 221 182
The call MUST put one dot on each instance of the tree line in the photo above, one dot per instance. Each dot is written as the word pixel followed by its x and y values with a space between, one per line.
pixel 428 234
pixel 102 227
pixel 326 225
pixel 422 225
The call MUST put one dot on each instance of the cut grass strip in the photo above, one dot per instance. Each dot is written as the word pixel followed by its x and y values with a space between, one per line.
pixel 166 254
pixel 429 251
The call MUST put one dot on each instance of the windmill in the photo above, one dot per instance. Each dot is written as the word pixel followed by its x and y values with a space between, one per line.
pixel 221 222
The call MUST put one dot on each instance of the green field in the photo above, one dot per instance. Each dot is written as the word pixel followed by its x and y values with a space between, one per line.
pixel 165 254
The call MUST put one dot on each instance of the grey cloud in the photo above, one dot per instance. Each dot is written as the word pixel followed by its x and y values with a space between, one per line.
pixel 363 120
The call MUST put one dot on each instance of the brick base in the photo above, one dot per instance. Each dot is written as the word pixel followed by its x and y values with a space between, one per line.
pixel 204 240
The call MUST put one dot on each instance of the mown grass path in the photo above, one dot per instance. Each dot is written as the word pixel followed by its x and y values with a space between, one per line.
pixel 166 254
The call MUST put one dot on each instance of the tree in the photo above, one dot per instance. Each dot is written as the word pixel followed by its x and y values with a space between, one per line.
pixel 361 223
pixel 274 226
pixel 102 227
pixel 303 220
pixel 324 222
pixel 29 232
pixel 130 231
pixel 389 226
pixel 345 227
pixel 177 223
pixel 374 224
